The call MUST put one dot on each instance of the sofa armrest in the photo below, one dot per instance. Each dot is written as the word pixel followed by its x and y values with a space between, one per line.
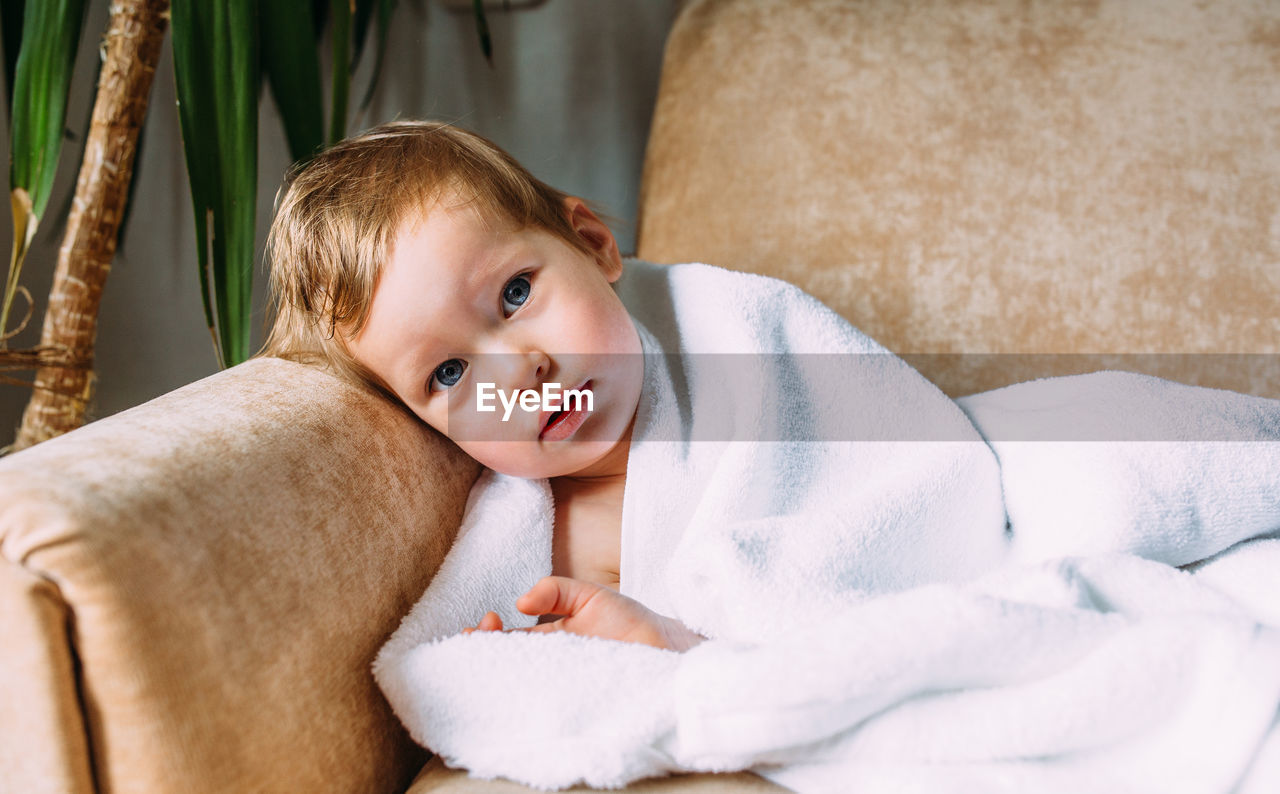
pixel 194 589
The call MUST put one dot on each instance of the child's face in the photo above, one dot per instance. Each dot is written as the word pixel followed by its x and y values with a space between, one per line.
pixel 463 301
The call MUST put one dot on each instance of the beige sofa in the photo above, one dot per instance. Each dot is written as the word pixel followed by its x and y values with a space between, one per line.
pixel 192 591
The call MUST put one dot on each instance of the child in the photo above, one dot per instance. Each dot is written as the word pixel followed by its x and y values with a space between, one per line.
pixel 421 259
pixel 444 261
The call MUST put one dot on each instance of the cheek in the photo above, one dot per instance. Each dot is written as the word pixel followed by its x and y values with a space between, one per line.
pixel 514 458
pixel 603 324
pixel 457 421
pixel 460 421
pixel 487 452
pixel 435 414
pixel 481 433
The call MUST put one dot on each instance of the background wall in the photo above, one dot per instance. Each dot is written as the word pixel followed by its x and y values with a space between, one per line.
pixel 570 94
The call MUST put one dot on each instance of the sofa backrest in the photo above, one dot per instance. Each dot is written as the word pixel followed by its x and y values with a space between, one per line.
pixel 989 176
pixel 192 591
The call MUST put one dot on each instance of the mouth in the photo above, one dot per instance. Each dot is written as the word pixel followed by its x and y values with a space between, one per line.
pixel 560 425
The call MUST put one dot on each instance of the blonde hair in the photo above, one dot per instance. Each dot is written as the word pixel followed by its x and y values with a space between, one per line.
pixel 337 217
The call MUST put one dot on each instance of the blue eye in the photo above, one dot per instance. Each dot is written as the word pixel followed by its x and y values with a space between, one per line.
pixel 515 294
pixel 447 374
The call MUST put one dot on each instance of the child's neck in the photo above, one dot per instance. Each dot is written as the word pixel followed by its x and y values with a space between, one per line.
pixel 587 537
pixel 587 485
pixel 605 479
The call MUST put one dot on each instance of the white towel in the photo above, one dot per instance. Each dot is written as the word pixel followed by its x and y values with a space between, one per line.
pixel 831 574
pixel 1110 674
pixel 1107 674
pixel 1249 573
pixel 1117 461
pixel 784 463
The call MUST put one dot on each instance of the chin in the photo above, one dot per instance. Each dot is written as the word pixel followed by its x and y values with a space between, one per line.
pixel 536 460
pixel 549 465
pixel 525 468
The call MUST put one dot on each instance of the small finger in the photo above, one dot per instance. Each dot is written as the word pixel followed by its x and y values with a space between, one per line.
pixel 557 595
pixel 490 622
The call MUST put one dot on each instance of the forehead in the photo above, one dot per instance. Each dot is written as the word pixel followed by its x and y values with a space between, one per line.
pixel 447 227
pixel 429 294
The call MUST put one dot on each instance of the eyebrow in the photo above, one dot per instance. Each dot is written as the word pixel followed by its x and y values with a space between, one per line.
pixel 471 290
pixel 483 275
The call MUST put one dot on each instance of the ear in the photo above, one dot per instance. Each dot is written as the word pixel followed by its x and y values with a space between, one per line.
pixel 596 235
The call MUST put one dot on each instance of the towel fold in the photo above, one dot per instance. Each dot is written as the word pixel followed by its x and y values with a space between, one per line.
pixel 1108 674
pixel 1118 461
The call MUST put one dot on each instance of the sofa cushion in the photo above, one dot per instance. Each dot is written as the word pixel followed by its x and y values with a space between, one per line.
pixel 42 741
pixel 222 564
pixel 988 177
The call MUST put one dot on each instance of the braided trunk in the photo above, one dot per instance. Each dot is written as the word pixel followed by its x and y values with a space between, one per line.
pixel 133 40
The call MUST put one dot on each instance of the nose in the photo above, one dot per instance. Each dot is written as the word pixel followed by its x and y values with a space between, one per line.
pixel 520 369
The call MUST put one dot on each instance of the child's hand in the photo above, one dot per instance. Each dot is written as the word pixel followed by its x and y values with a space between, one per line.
pixel 594 611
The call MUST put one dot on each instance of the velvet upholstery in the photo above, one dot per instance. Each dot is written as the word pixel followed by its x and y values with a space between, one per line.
pixel 989 176
pixel 194 589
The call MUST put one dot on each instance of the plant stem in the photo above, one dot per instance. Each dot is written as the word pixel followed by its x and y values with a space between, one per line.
pixel 133 41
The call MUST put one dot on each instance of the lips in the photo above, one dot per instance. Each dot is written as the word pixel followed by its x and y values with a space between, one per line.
pixel 559 425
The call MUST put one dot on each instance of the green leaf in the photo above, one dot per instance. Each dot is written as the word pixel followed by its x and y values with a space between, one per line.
pixel 482 29
pixel 215 55
pixel 292 66
pixel 11 23
pixel 320 14
pixel 340 11
pixel 385 9
pixel 363 16
pixel 42 80
pixel 41 83
pixel 57 216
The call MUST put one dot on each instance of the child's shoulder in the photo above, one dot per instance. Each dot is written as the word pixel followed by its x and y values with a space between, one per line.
pixel 720 306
